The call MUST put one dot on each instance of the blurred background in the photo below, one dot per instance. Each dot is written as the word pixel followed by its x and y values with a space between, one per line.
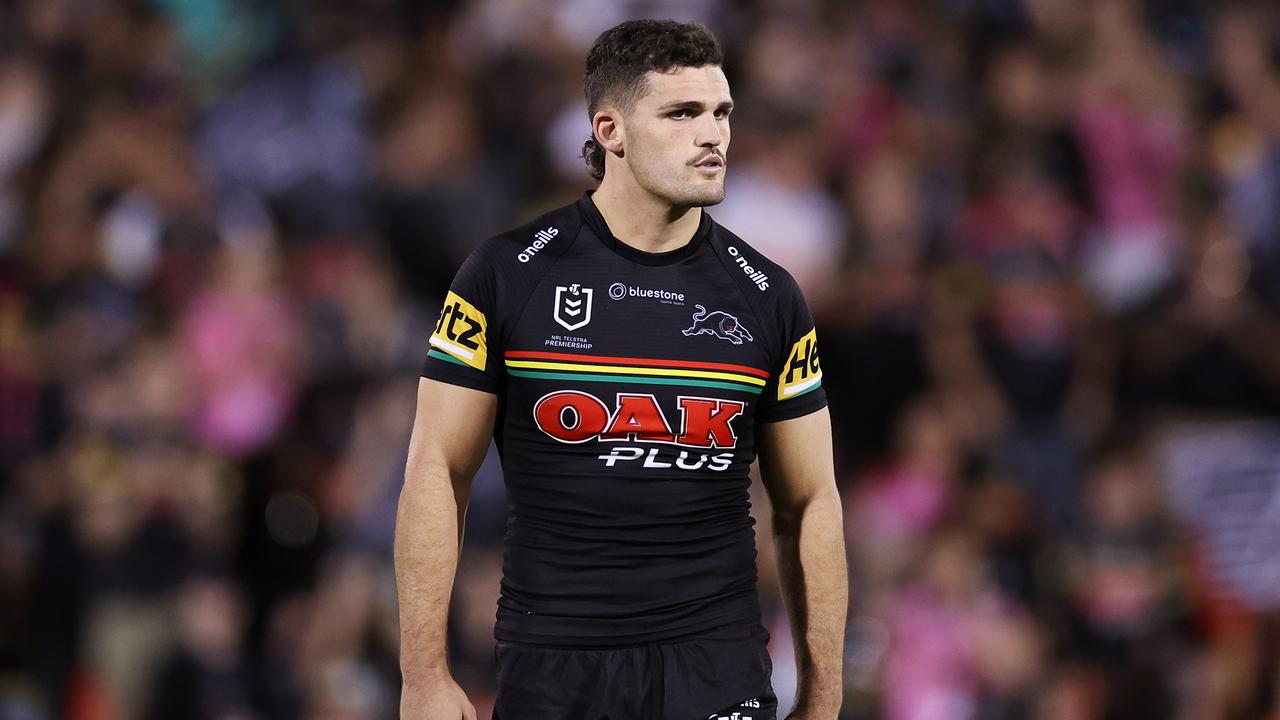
pixel 1041 239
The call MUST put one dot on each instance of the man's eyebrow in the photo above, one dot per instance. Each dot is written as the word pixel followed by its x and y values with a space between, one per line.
pixel 694 105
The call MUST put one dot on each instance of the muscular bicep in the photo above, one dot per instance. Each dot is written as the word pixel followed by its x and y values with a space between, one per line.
pixel 451 432
pixel 795 460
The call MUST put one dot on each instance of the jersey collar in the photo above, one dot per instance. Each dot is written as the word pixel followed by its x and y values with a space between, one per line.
pixel 591 214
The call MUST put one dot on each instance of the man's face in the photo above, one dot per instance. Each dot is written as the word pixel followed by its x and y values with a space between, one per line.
pixel 677 136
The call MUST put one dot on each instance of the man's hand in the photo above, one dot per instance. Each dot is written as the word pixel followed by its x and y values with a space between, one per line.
pixel 812 712
pixel 440 698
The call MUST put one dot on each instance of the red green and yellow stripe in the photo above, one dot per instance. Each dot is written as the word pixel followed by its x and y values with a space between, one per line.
pixel 444 356
pixel 645 371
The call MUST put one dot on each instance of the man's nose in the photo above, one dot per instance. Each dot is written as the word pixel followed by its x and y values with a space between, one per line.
pixel 709 133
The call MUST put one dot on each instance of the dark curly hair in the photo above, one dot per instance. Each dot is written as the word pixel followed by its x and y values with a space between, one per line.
pixel 621 56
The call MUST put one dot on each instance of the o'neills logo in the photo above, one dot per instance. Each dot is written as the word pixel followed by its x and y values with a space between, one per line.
pixel 757 276
pixel 573 416
pixel 541 238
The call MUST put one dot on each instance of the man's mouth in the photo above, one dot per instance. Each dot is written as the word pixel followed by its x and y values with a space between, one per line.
pixel 712 162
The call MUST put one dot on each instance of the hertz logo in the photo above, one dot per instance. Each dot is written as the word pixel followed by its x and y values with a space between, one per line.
pixel 802 372
pixel 460 332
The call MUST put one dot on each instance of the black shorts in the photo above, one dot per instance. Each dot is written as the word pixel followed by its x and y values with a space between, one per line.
pixel 719 673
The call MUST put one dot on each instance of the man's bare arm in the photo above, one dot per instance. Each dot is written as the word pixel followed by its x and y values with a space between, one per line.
pixel 451 434
pixel 798 474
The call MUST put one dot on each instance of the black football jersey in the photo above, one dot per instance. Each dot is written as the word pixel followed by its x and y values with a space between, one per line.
pixel 630 385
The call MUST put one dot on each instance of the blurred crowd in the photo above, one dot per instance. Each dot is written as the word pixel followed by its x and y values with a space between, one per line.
pixel 1041 239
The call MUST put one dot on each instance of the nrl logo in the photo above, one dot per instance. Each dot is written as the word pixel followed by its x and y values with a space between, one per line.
pixel 573 306
pixel 718 323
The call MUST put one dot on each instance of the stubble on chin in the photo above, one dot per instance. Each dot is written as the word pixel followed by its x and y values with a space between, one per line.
pixel 719 195
pixel 685 192
pixel 707 196
pixel 701 193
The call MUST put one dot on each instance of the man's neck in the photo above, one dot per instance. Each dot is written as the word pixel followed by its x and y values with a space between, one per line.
pixel 644 222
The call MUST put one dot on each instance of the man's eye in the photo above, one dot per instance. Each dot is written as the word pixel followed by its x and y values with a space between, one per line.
pixel 680 115
pixel 722 114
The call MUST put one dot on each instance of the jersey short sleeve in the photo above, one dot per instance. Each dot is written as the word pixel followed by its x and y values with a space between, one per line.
pixel 795 380
pixel 465 346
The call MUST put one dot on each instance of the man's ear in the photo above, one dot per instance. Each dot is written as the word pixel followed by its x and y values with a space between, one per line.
pixel 609 131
